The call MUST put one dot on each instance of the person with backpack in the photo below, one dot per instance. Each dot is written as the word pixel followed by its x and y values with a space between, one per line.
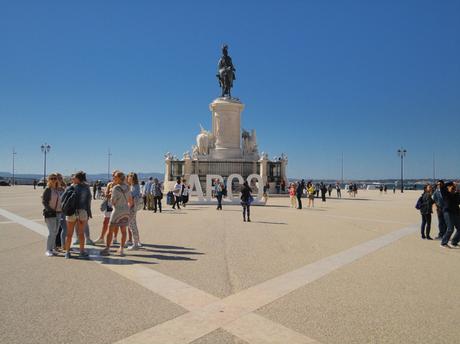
pixel 451 211
pixel 157 195
pixel 425 205
pixel 137 204
pixel 121 200
pixel 246 201
pixel 76 204
pixel 52 212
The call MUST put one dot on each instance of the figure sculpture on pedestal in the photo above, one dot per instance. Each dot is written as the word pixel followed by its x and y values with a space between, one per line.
pixel 249 142
pixel 204 141
pixel 226 73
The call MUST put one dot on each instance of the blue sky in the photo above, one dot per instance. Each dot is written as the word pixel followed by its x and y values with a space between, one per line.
pixel 318 78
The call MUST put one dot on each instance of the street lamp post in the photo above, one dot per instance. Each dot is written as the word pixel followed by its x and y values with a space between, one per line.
pixel 402 153
pixel 109 154
pixel 45 150
pixel 14 153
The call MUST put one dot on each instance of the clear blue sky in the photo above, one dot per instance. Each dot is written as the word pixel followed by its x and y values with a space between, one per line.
pixel 318 78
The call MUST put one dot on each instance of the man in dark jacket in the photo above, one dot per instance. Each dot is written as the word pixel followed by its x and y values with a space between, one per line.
pixel 299 192
pixel 437 197
pixel 451 212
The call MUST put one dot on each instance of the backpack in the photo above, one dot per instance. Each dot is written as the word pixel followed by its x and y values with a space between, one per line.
pixel 418 205
pixel 224 192
pixel 69 201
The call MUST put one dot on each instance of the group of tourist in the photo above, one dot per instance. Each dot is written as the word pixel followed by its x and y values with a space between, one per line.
pixel 298 189
pixel 446 200
pixel 67 208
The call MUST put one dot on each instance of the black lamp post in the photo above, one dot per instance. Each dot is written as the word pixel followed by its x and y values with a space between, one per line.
pixel 45 150
pixel 402 153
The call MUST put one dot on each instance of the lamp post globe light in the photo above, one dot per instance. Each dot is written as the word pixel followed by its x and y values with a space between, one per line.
pixel 402 153
pixel 45 150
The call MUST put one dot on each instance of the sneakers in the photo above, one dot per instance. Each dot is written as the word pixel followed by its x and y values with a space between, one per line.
pixel 445 246
pixel 49 254
pixel 99 242
pixel 89 242
pixel 129 243
pixel 120 253
pixel 454 245
pixel 67 255
pixel 134 247
pixel 83 254
pixel 105 252
pixel 115 242
pixel 76 242
pixel 429 238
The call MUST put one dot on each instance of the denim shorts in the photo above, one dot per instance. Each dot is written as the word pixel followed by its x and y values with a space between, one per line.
pixel 80 215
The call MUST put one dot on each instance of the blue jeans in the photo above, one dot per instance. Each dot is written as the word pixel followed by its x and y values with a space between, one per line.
pixel 53 226
pixel 452 221
pixel 63 224
pixel 441 223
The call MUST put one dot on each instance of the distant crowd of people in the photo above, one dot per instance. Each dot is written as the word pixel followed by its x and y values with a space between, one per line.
pixel 301 189
pixel 445 199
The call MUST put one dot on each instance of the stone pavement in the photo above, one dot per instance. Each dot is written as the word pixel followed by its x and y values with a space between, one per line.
pixel 348 271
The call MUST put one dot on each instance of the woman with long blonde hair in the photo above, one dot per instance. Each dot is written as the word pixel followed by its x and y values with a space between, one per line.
pixel 52 212
pixel 133 231
pixel 121 200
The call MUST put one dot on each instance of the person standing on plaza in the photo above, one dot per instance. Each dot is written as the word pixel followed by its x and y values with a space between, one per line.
pixel 218 191
pixel 106 208
pixel 148 193
pixel 451 211
pixel 299 193
pixel 177 191
pixel 323 191
pixel 35 184
pixel 437 197
pixel 157 195
pixel 52 212
pixel 426 209
pixel 62 233
pixel 311 191
pixel 144 196
pixel 76 202
pixel 94 190
pixel 185 192
pixel 292 195
pixel 329 190
pixel 119 219
pixel 246 200
pixel 337 188
pixel 135 189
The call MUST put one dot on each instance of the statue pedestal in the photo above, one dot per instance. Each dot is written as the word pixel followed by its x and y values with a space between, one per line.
pixel 226 128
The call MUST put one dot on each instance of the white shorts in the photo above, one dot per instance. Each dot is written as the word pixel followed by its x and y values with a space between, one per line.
pixel 107 214
pixel 80 215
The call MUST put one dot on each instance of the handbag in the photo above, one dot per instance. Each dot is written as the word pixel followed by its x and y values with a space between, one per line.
pixel 47 213
pixel 104 205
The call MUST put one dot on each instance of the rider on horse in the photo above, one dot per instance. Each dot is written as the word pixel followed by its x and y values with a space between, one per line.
pixel 226 72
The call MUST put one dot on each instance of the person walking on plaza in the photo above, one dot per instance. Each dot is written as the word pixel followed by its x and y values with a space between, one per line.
pixel 299 193
pixel 157 195
pixel 119 219
pixel 185 192
pixel 52 212
pixel 218 191
pixel 94 190
pixel 451 211
pixel 426 209
pixel 148 193
pixel 135 189
pixel 292 195
pixel 76 203
pixel 437 197
pixel 311 194
pixel 177 191
pixel 329 190
pixel 35 184
pixel 246 200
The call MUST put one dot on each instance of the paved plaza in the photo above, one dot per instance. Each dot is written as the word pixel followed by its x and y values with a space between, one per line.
pixel 347 271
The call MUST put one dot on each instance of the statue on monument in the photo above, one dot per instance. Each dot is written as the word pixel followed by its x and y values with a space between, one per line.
pixel 249 142
pixel 204 142
pixel 226 72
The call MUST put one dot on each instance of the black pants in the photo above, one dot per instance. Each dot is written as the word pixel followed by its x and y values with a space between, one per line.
pixel 299 201
pixel 426 225
pixel 156 203
pixel 219 202
pixel 246 210
pixel 441 223
pixel 145 201
pixel 452 221
pixel 177 200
